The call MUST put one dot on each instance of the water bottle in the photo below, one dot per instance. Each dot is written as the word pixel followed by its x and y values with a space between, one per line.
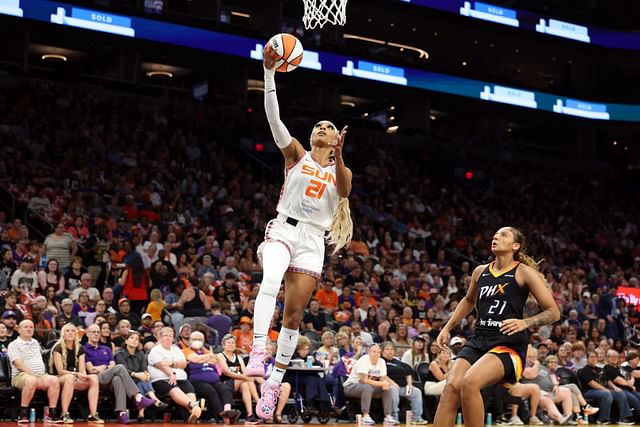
pixel 408 417
pixel 489 419
pixel 32 415
pixel 459 418
pixel 309 361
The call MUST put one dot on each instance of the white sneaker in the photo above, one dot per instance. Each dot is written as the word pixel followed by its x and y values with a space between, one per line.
pixel 535 421
pixel 390 421
pixel 367 420
pixel 516 421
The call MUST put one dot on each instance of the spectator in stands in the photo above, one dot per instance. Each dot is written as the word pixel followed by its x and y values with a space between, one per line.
pixel 112 377
pixel 327 297
pixel 369 379
pixel 218 321
pixel 85 286
pixel 150 341
pixel 594 387
pixel 25 277
pixel 455 344
pixel 124 327
pixel 4 340
pixel 67 362
pixel 401 341
pixel 537 373
pixel 134 360
pixel 618 383
pixel 357 332
pixel 51 276
pixel 184 335
pixel 105 336
pixel 244 336
pixel 233 376
pixel 249 263
pixel 168 376
pixel 135 284
pixel 195 305
pixel 416 354
pixel 438 372
pixel 156 305
pixel 28 373
pixel 383 333
pixel 60 245
pixel 315 319
pixel 401 374
pixel 124 312
pixel 7 267
pixel 579 404
pixel 108 296
pixel 578 359
pixel 207 267
pixel 229 267
pixel 315 388
pixel 66 315
pixel 82 308
pixel 202 372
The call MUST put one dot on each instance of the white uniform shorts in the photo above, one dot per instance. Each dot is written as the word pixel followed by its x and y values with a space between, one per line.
pixel 305 243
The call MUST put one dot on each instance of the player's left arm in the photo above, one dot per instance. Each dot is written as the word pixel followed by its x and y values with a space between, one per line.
pixel 550 312
pixel 343 173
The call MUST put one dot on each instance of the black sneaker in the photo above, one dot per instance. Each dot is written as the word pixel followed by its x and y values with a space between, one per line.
pixel 252 419
pixel 627 422
pixel 23 419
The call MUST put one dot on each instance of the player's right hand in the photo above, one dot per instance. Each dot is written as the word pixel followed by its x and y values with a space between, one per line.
pixel 269 57
pixel 442 342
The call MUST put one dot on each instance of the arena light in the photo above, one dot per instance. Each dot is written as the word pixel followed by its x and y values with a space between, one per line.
pixel 240 14
pixel 348 104
pixel 53 57
pixel 159 73
pixel 422 54
pixel 392 129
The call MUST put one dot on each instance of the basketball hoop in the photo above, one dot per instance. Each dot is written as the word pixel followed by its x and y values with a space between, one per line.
pixel 320 12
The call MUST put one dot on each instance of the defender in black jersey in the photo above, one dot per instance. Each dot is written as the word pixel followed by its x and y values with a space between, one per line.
pixel 498 292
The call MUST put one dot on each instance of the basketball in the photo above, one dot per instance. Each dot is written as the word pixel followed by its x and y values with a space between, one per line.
pixel 289 51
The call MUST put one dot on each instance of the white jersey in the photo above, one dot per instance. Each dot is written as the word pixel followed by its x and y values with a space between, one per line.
pixel 309 193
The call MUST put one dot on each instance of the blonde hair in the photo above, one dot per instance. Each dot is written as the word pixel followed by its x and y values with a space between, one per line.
pixel 156 294
pixel 303 342
pixel 64 350
pixel 520 255
pixel 341 226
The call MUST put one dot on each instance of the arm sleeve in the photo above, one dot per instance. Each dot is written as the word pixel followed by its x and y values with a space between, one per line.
pixel 279 131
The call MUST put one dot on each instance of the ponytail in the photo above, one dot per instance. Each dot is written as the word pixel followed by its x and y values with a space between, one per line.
pixel 341 226
pixel 521 255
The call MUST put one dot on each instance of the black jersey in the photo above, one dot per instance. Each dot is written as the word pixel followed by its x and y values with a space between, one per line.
pixel 499 298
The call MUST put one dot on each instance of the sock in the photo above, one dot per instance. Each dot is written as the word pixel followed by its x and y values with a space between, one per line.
pixel 287 342
pixel 275 261
pixel 276 375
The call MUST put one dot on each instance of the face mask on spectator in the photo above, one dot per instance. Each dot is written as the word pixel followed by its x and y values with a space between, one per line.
pixel 196 344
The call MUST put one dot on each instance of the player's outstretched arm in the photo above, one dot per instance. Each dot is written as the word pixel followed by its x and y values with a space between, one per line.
pixel 291 149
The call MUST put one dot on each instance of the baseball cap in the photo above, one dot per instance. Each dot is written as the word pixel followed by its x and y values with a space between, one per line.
pixel 245 319
pixel 123 300
pixel 28 258
pixel 146 315
pixel 9 313
pixel 586 294
pixel 456 341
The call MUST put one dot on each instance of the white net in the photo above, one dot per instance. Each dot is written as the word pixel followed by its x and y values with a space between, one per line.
pixel 320 12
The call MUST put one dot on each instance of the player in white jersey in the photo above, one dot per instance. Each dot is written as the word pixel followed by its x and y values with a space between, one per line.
pixel 313 205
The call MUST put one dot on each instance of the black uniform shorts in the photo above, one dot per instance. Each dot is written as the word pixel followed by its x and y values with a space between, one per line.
pixel 511 350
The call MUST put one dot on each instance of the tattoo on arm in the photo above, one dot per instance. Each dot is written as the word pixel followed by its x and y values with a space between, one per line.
pixel 544 318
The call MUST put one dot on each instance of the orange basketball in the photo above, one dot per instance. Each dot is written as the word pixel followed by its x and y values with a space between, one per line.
pixel 289 51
